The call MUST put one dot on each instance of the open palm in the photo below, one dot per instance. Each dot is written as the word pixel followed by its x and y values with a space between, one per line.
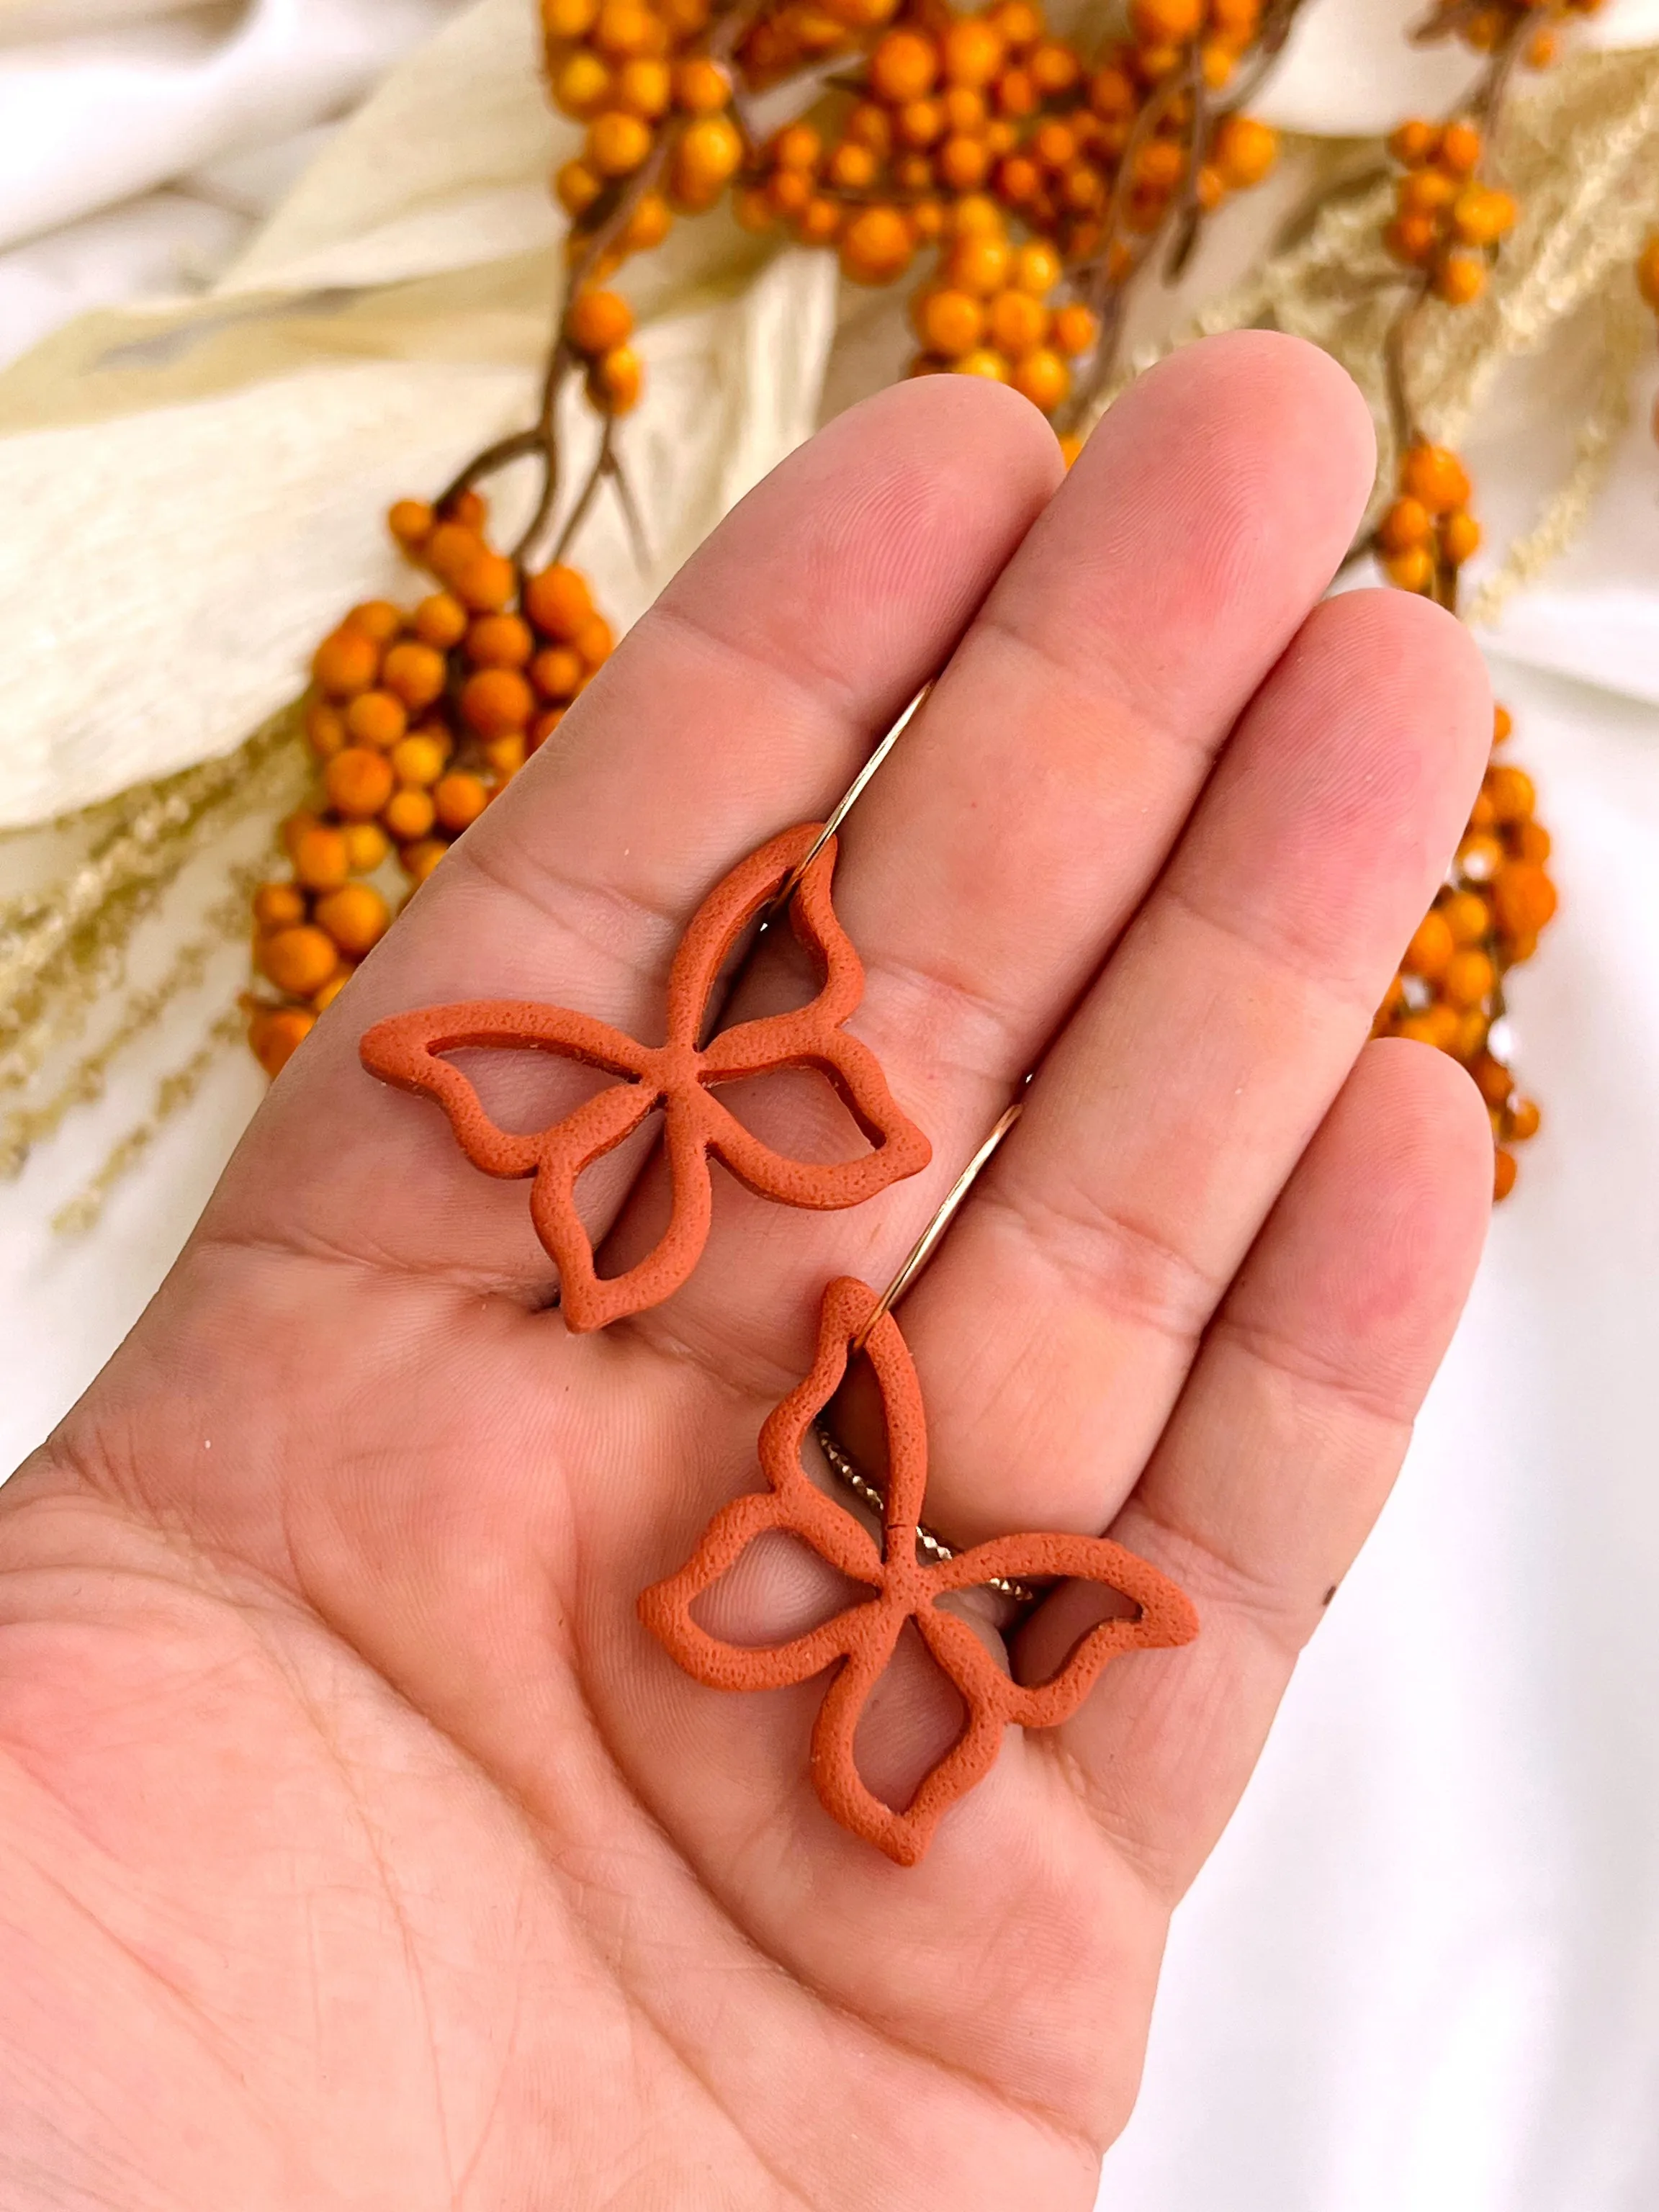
pixel 357 1845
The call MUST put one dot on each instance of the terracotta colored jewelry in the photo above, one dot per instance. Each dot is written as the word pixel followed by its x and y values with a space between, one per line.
pixel 860 1641
pixel 408 1049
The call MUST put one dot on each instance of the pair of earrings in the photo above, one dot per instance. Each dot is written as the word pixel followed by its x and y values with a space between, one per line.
pixel 909 1570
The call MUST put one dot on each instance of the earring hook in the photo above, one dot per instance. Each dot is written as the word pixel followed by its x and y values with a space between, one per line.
pixel 838 813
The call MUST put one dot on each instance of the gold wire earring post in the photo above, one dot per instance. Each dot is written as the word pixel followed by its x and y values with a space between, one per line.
pixel 838 814
pixel 922 1250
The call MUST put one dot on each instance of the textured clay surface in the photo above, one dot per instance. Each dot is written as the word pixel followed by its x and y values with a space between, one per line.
pixel 408 1049
pixel 860 1641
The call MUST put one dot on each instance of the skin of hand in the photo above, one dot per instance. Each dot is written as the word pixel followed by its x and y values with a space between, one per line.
pixel 357 1846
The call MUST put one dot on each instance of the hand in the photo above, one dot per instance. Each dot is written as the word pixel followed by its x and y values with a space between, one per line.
pixel 357 1846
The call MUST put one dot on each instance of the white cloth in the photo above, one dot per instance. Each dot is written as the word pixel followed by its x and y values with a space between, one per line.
pixel 1422 1972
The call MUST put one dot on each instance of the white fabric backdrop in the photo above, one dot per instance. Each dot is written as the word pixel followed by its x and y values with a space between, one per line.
pixel 1422 1973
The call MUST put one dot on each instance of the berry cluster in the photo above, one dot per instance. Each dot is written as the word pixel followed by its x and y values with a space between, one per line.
pixel 1496 26
pixel 1427 533
pixel 1446 222
pixel 1497 900
pixel 951 115
pixel 990 310
pixel 417 717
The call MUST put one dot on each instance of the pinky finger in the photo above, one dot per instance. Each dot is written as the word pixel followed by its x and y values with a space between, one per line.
pixel 1283 1449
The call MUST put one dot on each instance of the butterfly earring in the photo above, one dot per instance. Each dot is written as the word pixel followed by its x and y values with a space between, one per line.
pixel 792 870
pixel 909 1572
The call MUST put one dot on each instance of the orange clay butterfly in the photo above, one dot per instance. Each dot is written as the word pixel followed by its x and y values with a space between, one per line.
pixel 860 1641
pixel 678 1075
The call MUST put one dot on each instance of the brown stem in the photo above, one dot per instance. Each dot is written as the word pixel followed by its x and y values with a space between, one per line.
pixel 604 461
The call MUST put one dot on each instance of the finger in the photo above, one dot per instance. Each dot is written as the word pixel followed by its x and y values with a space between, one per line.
pixel 1284 1449
pixel 1167 1119
pixel 741 703
pixel 1021 819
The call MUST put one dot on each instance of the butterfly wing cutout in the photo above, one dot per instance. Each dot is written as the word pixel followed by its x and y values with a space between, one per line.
pixel 809 1036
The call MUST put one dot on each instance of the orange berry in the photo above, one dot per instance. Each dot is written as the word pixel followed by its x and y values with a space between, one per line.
pixel 1480 856
pixel 500 642
pixel 594 640
pixel 851 167
pixel 556 671
pixel 1523 899
pixel 789 191
pixel 324 727
pixel 1460 536
pixel 599 321
pixel 1018 180
pixel 752 207
pixel 979 262
pixel 1481 215
pixel 377 619
pixel 1243 150
pixel 1408 524
pixel 1414 142
pixel 1042 377
pixel 1467 916
pixel 376 718
pixel 708 155
pixel 921 122
pixel 647 225
pixel 1411 570
pixel 495 701
pixel 1460 279
pixel 1074 328
pixel 278 906
pixel 702 86
pixel 366 847
pixel 1647 271
pixel 275 1033
pixel 1431 949
pixel 408 813
pixel 1470 978
pixel 414 672
pixel 409 520
pixel 419 760
pixel 642 88
pixel 1435 476
pixel 1511 792
pixel 902 66
pixel 322 859
pixel 1035 269
pixel 965 109
pixel 358 782
pixel 1410 239
pixel 487 583
pixel 1015 321
pixel 617 142
pixel 1502 723
pixel 298 960
pixel 580 84
pixel 1460 148
pixel 419 860
pixel 948 322
pixel 568 19
pixel 972 52
pixel 820 221
pixel 345 662
pixel 558 601
pixel 877 245
pixel 1017 94
pixel 798 146
pixel 458 799
pixel 614 382
pixel 1503 1172
pixel 977 216
pixel 625 28
pixel 544 725
pixel 1524 1120
pixel 1426 191
pixel 962 164
pixel 293 829
pixel 983 362
pixel 577 187
pixel 506 754
pixel 1161 23
pixel 356 916
pixel 1055 68
pixel 1111 95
